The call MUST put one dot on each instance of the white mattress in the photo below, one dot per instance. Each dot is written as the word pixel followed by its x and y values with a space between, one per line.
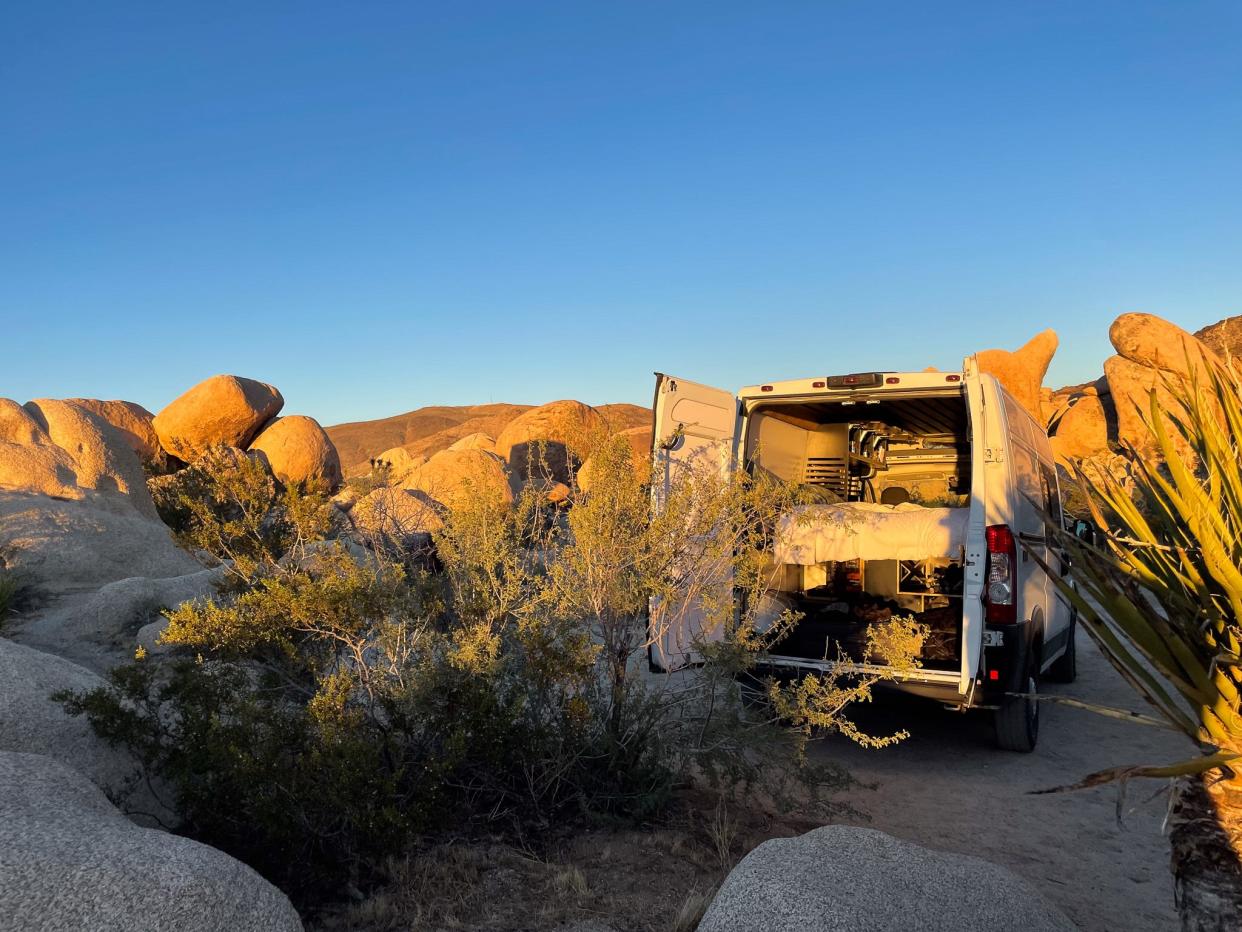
pixel 812 534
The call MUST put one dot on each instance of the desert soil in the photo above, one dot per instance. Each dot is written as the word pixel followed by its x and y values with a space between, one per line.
pixel 947 787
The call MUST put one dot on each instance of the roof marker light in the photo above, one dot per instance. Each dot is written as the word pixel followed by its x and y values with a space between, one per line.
pixel 892 380
pixel 765 388
pixel 953 378
pixel 818 384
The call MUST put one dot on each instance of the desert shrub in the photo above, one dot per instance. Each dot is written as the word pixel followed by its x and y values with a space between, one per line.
pixel 228 504
pixel 334 705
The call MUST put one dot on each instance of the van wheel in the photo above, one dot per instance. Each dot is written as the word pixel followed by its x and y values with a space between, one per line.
pixel 1065 668
pixel 1017 720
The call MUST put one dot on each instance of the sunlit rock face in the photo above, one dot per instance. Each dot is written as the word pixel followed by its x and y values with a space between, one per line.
pixel 1022 371
pixel 224 409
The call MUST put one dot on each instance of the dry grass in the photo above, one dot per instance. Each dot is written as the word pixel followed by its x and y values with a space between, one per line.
pixel 646 880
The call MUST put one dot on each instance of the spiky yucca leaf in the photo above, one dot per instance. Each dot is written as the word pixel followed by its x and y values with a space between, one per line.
pixel 1162 593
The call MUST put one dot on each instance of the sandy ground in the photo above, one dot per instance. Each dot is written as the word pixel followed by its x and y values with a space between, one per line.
pixel 947 787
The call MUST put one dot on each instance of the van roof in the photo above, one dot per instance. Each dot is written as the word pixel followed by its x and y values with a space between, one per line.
pixel 871 381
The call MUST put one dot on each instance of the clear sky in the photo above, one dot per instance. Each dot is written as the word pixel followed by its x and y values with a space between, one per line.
pixel 377 206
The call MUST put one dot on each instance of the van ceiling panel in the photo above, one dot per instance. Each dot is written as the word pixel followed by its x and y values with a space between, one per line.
pixel 938 416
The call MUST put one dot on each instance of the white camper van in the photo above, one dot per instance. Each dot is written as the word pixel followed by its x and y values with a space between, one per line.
pixel 934 487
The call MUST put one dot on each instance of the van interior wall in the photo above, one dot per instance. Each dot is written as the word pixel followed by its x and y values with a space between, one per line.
pixel 927 462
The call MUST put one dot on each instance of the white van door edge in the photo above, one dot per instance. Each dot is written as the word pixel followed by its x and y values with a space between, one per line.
pixel 976 536
pixel 695 428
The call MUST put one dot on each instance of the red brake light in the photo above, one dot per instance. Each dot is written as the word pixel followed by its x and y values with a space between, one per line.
pixel 1000 539
pixel 1001 578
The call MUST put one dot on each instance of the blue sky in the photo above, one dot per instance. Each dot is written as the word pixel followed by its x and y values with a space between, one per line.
pixel 381 206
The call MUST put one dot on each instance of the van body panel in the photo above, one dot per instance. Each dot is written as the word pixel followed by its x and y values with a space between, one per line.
pixel 694 428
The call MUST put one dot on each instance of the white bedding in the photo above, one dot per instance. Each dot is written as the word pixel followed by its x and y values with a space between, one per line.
pixel 812 534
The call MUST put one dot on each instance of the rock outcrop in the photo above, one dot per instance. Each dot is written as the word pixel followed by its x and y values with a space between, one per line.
pixel 1090 422
pixel 398 516
pixel 546 444
pixel 40 468
pixel 66 545
pixel 400 463
pixel 639 442
pixel 30 721
pixel 1022 371
pixel 476 441
pixel 1224 338
pixel 17 425
pixel 453 477
pixel 845 878
pixel 1082 430
pixel 132 421
pixel 224 409
pixel 71 860
pixel 298 451
pixel 1154 343
pixel 1130 385
pixel 102 459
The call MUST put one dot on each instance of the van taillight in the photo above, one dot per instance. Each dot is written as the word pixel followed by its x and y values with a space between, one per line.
pixel 998 596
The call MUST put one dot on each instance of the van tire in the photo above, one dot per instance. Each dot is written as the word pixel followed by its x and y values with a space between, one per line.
pixel 1065 668
pixel 1017 720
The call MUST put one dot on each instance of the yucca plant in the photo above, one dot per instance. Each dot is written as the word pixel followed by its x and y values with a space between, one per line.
pixel 1161 595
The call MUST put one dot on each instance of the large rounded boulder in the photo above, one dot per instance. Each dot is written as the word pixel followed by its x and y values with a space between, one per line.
pixel 17 425
pixel 1082 430
pixel 638 444
pixel 546 444
pixel 42 469
pixel 456 477
pixel 71 860
pixel 298 451
pixel 476 441
pixel 1151 341
pixel 102 459
pixel 132 421
pixel 1131 385
pixel 31 721
pixel 224 409
pixel 400 516
pixel 841 877
pixel 399 463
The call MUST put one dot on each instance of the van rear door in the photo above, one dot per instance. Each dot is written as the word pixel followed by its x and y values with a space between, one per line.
pixel 986 429
pixel 695 429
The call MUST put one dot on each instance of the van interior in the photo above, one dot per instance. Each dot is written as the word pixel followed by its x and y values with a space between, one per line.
pixel 889 477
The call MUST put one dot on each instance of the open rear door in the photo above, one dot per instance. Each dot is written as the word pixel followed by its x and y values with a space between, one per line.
pixel 695 429
pixel 976 554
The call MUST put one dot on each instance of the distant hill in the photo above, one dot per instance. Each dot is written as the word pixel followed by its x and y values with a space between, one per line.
pixel 425 431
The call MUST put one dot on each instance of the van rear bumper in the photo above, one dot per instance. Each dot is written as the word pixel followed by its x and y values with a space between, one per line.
pixel 941 685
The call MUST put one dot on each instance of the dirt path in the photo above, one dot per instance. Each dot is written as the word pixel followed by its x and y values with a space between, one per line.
pixel 948 788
